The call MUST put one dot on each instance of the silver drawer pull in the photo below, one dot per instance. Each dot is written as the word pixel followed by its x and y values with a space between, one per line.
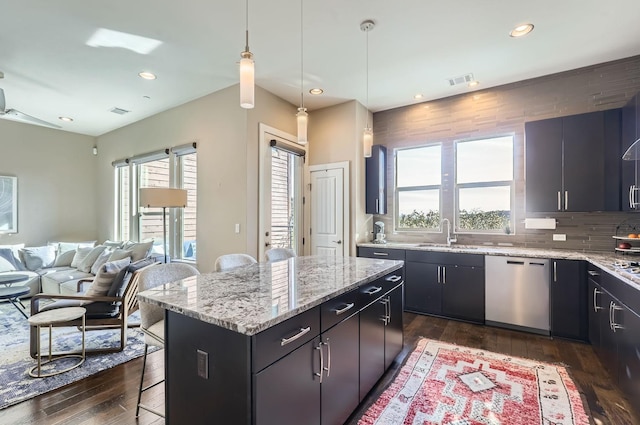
pixel 373 290
pixel 342 310
pixel 594 273
pixel 393 278
pixel 285 341
pixel 384 254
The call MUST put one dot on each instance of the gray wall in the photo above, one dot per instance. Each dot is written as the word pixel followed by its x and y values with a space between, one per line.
pixel 504 110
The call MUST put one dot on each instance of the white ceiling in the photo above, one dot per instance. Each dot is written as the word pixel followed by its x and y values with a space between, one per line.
pixel 415 46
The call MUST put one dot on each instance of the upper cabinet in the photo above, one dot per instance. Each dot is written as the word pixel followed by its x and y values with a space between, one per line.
pixel 376 174
pixel 572 163
pixel 630 169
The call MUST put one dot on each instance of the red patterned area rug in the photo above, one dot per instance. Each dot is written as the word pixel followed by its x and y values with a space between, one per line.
pixel 447 384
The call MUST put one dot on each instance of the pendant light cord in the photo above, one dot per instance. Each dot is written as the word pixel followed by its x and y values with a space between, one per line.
pixel 367 79
pixel 246 26
pixel 301 55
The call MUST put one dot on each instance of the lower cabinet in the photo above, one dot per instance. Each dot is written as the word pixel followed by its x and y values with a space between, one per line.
pixel 445 284
pixel 629 355
pixel 393 336
pixel 568 299
pixel 298 391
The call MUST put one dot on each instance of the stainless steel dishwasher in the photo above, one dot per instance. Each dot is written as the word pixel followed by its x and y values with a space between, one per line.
pixel 517 293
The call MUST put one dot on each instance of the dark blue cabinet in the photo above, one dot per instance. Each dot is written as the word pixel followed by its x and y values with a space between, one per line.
pixel 376 175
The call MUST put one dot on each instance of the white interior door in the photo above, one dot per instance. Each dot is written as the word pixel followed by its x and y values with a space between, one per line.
pixel 327 212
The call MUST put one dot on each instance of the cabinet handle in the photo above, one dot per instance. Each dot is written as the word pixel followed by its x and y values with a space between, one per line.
pixel 393 278
pixel 373 290
pixel 439 274
pixel 388 310
pixel 614 325
pixel 594 273
pixel 285 341
pixel 328 368
pixel 444 274
pixel 385 318
pixel 566 200
pixel 595 301
pixel 631 196
pixel 377 205
pixel 342 310
pixel 559 202
pixel 555 271
pixel 383 254
pixel 319 347
pixel 611 315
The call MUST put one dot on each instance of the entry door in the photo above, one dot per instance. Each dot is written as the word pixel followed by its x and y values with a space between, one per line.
pixel 327 212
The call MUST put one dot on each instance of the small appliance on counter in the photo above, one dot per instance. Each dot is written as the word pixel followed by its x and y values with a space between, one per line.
pixel 378 230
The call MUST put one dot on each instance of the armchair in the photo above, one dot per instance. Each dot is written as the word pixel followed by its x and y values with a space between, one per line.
pixel 109 311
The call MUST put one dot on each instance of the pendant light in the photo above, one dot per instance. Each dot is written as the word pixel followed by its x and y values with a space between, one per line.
pixel 367 134
pixel 302 117
pixel 247 69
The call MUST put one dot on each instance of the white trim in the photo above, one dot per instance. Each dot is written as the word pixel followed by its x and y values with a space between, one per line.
pixel 346 229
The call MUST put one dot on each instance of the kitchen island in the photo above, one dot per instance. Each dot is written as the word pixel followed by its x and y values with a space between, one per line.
pixel 291 342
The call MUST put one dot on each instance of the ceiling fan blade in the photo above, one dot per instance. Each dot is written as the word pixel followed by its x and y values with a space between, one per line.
pixel 2 104
pixel 24 117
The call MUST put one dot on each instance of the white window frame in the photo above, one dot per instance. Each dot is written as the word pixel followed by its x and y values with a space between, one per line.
pixel 397 190
pixel 484 184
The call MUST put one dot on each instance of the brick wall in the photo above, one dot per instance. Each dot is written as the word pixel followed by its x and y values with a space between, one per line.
pixel 504 110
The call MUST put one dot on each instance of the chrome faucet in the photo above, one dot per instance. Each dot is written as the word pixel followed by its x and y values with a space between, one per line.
pixel 449 238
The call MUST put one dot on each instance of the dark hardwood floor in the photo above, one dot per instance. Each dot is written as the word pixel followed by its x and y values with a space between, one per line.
pixel 109 398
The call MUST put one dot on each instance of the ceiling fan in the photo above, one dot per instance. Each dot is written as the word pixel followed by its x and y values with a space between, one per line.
pixel 20 115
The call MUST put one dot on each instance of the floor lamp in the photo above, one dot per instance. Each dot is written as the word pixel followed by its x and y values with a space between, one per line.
pixel 163 197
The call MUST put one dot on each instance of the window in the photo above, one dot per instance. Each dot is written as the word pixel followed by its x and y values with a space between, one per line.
pixel 418 180
pixel 286 210
pixel 167 168
pixel 484 185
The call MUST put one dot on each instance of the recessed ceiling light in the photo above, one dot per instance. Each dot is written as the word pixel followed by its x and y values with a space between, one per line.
pixel 521 30
pixel 316 91
pixel 418 96
pixel 147 75
pixel 65 119
pixel 473 83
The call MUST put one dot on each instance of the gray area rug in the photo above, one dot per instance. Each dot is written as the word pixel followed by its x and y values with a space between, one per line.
pixel 15 383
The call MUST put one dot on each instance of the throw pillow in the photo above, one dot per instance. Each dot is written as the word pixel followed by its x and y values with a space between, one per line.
pixel 6 265
pixel 114 266
pixel 64 259
pixel 7 255
pixel 113 244
pixel 87 262
pixel 119 254
pixel 81 253
pixel 72 246
pixel 124 276
pixel 100 261
pixel 38 257
pixel 104 279
pixel 15 248
pixel 139 250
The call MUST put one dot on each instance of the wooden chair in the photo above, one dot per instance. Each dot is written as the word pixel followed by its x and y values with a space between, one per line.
pixel 103 312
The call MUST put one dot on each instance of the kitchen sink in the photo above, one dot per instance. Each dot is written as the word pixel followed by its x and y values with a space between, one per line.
pixel 441 245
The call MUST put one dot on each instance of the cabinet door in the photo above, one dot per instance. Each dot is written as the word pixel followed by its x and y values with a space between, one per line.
pixel 463 292
pixel 608 338
pixel 372 320
pixel 583 153
pixel 340 382
pixel 423 290
pixel 596 311
pixel 543 165
pixel 297 399
pixel 629 168
pixel 568 299
pixel 628 355
pixel 393 337
pixel 376 175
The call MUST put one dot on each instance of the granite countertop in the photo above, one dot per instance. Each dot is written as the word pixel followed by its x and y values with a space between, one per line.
pixel 253 298
pixel 604 260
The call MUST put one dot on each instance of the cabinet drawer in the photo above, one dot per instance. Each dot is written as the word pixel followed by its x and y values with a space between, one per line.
pixel 374 290
pixel 446 258
pixel 384 253
pixel 338 309
pixel 594 273
pixel 273 343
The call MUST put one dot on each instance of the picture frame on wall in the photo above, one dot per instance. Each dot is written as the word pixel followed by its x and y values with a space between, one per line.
pixel 8 204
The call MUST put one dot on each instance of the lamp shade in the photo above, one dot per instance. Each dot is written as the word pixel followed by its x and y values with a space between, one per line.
pixel 247 74
pixel 303 118
pixel 367 141
pixel 159 197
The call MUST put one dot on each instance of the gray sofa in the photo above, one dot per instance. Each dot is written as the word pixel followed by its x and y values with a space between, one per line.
pixel 65 267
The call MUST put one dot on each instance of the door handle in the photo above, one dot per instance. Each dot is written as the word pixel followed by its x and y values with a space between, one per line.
pixel 595 301
pixel 444 274
pixel 559 202
pixel 338 242
pixel 319 374
pixel 328 367
pixel 267 244
pixel 439 274
pixel 566 200
pixel 377 206
pixel 614 325
pixel 555 271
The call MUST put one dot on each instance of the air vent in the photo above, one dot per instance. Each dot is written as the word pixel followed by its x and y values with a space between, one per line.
pixel 120 111
pixel 464 79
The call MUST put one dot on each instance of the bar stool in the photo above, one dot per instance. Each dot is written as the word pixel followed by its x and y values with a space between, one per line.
pixel 48 318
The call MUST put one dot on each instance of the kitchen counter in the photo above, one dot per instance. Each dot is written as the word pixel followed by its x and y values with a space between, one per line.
pixel 604 260
pixel 242 300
